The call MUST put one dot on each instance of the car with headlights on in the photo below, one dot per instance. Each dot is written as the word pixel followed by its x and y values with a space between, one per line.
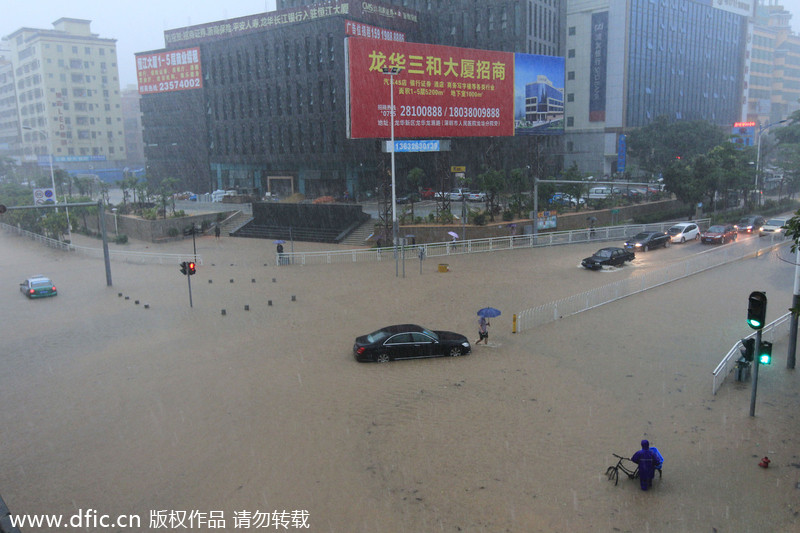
pixel 38 287
pixel 647 240
pixel 773 226
pixel 750 224
pixel 684 231
pixel 408 341
pixel 611 256
pixel 719 234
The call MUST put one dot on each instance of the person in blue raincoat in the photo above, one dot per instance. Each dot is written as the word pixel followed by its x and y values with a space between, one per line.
pixel 648 461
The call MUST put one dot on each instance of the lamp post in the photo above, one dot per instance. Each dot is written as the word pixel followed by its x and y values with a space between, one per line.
pixel 392 72
pixel 50 150
pixel 762 129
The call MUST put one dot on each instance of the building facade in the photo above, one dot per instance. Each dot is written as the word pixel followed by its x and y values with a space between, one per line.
pixel 271 115
pixel 67 97
pixel 630 62
pixel 774 76
pixel 132 127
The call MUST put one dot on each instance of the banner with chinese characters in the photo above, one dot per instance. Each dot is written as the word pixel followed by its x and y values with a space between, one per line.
pixel 176 70
pixel 444 91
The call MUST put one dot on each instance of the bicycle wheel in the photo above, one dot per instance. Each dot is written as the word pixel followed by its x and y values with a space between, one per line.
pixel 613 473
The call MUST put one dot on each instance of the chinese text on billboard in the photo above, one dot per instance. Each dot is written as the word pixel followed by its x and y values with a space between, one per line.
pixel 176 70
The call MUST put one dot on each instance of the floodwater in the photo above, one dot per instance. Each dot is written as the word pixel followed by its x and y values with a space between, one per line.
pixel 127 410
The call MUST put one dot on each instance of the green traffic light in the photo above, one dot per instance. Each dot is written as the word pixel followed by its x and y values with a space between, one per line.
pixel 765 353
pixel 754 323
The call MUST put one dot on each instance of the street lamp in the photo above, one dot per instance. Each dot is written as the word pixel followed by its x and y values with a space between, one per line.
pixel 762 129
pixel 392 72
pixel 50 150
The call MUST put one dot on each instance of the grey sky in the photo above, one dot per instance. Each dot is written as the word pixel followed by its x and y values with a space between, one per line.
pixel 138 25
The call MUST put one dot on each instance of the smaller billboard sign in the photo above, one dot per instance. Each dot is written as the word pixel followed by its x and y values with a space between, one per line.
pixel 175 70
pixel 413 146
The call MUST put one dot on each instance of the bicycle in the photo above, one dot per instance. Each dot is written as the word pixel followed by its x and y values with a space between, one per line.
pixel 612 472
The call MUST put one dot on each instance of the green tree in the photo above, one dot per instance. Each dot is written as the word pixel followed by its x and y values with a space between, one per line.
pixel 656 146
pixel 680 179
pixel 166 192
pixel 492 182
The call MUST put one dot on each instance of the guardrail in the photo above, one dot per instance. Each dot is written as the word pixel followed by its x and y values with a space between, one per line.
pixel 728 363
pixel 491 244
pixel 122 255
pixel 550 312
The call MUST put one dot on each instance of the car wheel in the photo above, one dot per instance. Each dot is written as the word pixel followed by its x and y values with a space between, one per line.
pixel 382 358
pixel 683 240
pixel 646 248
pixel 455 351
pixel 667 243
pixel 697 236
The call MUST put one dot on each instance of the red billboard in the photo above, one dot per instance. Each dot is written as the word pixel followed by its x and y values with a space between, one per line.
pixel 440 91
pixel 162 72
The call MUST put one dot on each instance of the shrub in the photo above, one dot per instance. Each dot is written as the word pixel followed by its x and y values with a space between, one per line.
pixel 173 232
pixel 121 239
pixel 479 219
pixel 508 216
pixel 150 214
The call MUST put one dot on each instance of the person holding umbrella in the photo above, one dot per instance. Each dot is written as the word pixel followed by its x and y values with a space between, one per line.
pixel 483 323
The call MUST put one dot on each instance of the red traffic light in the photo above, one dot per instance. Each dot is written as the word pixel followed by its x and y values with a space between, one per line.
pixel 191 267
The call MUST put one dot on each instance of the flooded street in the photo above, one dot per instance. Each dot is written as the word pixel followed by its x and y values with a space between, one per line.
pixel 130 410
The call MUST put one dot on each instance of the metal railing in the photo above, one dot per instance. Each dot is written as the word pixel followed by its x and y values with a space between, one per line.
pixel 471 246
pixel 121 255
pixel 728 363
pixel 550 312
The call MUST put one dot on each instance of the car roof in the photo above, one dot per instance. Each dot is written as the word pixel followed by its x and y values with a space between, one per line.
pixel 683 224
pixel 38 277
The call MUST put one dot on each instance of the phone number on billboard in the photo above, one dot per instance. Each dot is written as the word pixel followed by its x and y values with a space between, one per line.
pixel 450 112
pixel 191 83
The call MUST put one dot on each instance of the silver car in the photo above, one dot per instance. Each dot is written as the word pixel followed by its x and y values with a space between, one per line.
pixel 684 231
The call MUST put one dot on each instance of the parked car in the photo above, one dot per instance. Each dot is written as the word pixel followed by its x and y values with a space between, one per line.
pixel 773 226
pixel 608 257
pixel 647 240
pixel 599 193
pixel 38 287
pixel 405 198
pixel 719 234
pixel 684 231
pixel 454 195
pixel 408 341
pixel 750 224
pixel 564 199
pixel 476 197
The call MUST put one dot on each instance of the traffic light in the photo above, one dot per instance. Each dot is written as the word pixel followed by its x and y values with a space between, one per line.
pixel 748 349
pixel 184 268
pixel 191 267
pixel 756 309
pixel 765 353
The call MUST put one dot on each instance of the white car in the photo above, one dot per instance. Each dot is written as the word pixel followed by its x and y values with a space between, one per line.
pixel 684 231
pixel 773 226
pixel 476 197
pixel 457 195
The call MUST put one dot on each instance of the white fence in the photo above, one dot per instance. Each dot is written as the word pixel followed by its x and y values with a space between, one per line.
pixel 550 312
pixel 779 327
pixel 492 244
pixel 121 255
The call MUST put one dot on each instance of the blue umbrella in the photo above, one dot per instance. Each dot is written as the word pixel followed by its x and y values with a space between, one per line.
pixel 489 312
pixel 280 241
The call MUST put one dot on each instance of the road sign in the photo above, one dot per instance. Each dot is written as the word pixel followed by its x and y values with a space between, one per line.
pixel 458 169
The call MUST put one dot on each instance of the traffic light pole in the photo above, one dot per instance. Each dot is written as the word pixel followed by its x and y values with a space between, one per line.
pixel 756 364
pixel 189 279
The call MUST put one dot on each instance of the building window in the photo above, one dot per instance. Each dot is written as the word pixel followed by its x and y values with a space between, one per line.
pixel 571 75
pixel 571 30
pixel 570 97
pixel 571 53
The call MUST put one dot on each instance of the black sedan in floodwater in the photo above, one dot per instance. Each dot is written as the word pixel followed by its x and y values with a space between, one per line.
pixel 647 240
pixel 608 257
pixel 408 341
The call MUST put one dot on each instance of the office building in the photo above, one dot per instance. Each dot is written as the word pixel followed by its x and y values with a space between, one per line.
pixel 630 62
pixel 267 110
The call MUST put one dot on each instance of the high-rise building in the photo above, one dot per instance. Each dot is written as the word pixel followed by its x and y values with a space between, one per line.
pixel 132 124
pixel 628 63
pixel 774 75
pixel 269 108
pixel 67 97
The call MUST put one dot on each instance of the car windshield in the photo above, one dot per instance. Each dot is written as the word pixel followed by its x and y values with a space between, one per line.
pixel 605 252
pixel 41 283
pixel 675 230
pixel 640 236
pixel 716 229
pixel 745 221
pixel 430 333
pixel 776 222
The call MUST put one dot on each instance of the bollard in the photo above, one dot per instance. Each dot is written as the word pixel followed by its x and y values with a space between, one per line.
pixel 231 280
pixel 119 294
pixel 147 306
pixel 210 281
pixel 246 307
pixel 223 312
pixel 269 303
pixel 136 302
pixel 514 323
pixel 294 299
pixel 253 280
pixel 273 280
pixel 127 297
